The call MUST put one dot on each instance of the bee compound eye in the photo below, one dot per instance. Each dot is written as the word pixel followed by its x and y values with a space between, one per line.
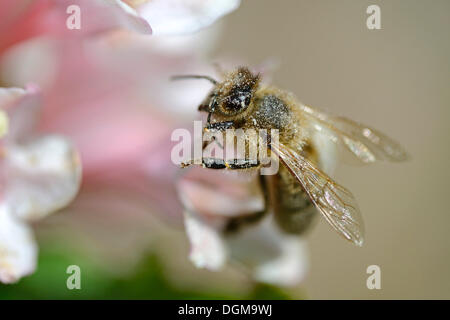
pixel 237 101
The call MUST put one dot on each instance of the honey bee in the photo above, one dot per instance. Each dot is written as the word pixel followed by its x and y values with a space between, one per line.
pixel 300 188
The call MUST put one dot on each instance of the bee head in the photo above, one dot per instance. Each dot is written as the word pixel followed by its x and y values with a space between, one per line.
pixel 235 92
pixel 231 96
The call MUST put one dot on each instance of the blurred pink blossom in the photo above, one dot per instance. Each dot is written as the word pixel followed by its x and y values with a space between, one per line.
pixel 23 19
pixel 101 89
pixel 110 95
pixel 40 174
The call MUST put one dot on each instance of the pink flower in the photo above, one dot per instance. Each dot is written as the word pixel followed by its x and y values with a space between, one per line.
pixel 23 19
pixel 106 91
pixel 40 174
pixel 110 95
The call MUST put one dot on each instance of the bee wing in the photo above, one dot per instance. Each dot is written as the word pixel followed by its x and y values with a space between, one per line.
pixel 367 144
pixel 335 203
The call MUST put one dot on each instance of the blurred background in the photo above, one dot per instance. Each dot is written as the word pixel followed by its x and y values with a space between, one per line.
pixel 395 79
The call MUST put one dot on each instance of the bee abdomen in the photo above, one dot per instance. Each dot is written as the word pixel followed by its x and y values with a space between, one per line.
pixel 293 210
pixel 295 215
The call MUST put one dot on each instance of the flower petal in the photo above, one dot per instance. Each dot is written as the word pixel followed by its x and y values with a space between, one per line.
pixel 327 150
pixel 3 123
pixel 273 256
pixel 220 193
pixel 23 107
pixel 207 247
pixel 97 16
pixel 41 176
pixel 290 268
pixel 18 250
pixel 131 20
pixel 174 17
pixel 9 95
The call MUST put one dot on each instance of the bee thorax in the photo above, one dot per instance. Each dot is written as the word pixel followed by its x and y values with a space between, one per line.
pixel 272 112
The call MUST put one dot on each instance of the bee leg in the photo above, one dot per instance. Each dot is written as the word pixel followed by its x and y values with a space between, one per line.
pixel 209 163
pixel 215 163
pixel 237 164
pixel 219 126
pixel 235 224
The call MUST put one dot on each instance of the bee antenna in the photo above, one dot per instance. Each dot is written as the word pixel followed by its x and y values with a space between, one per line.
pixel 192 76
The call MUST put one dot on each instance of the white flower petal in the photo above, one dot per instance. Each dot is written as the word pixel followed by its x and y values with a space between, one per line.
pixel 130 18
pixel 18 250
pixel 220 203
pixel 207 247
pixel 273 256
pixel 42 176
pixel 31 61
pixel 9 95
pixel 174 17
pixel 200 43
pixel 23 113
pixel 8 99
pixel 327 149
pixel 289 268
